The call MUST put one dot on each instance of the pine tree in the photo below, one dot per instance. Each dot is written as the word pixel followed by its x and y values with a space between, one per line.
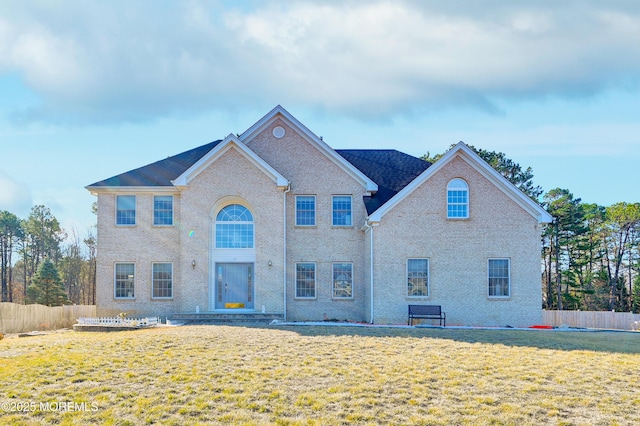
pixel 10 232
pixel 563 239
pixel 636 295
pixel 47 288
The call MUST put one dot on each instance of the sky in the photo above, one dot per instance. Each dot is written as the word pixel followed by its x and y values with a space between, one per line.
pixel 91 89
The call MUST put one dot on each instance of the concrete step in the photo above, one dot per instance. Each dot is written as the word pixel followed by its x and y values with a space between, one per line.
pixel 215 317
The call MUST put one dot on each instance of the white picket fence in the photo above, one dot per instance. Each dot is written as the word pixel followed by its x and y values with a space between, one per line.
pixel 119 321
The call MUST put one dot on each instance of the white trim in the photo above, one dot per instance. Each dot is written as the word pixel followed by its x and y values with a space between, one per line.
pixel 280 113
pixel 466 203
pixel 230 142
pixel 227 200
pixel 95 190
pixel 227 255
pixel 231 255
pixel 463 151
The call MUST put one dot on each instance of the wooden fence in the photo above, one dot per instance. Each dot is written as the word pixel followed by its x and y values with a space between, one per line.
pixel 15 318
pixel 592 319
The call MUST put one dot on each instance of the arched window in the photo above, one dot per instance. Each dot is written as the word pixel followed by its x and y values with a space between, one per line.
pixel 457 199
pixel 234 227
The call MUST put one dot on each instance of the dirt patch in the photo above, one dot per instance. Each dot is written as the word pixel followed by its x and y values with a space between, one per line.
pixel 35 333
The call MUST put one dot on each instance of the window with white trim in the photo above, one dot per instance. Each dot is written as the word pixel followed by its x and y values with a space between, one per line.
pixel 305 210
pixel 124 285
pixel 341 210
pixel 305 280
pixel 417 277
pixel 342 280
pixel 125 209
pixel 457 199
pixel 499 278
pixel 163 210
pixel 234 227
pixel 162 281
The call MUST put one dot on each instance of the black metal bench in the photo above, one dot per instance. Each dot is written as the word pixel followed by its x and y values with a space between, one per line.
pixel 427 312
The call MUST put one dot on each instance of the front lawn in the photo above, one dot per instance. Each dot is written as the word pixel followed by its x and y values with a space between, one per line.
pixel 321 375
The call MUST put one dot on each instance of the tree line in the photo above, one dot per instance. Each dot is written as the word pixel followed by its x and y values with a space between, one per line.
pixel 590 253
pixel 41 263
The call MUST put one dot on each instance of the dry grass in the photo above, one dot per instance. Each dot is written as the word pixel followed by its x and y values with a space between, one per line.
pixel 324 375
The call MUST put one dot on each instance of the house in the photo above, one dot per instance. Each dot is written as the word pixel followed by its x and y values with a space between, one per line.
pixel 275 220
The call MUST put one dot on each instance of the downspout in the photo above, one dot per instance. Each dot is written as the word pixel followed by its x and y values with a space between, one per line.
pixel 284 240
pixel 369 228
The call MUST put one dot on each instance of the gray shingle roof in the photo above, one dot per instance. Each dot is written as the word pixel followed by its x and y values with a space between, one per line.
pixel 160 173
pixel 391 170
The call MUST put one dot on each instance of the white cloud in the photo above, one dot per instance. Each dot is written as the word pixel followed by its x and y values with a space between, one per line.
pixel 575 142
pixel 117 61
pixel 15 197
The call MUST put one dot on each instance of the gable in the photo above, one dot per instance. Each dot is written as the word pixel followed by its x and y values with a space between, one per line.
pixel 279 113
pixel 230 142
pixel 178 170
pixel 464 153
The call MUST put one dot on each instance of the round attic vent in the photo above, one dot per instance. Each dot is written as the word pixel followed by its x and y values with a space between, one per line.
pixel 278 132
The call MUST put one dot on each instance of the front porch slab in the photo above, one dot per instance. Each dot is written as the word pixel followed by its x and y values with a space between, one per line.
pixel 225 317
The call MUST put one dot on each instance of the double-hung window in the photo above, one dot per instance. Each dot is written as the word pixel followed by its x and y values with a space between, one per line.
pixel 457 199
pixel 305 280
pixel 163 210
pixel 162 281
pixel 418 277
pixel 305 210
pixel 341 210
pixel 124 287
pixel 343 280
pixel 125 210
pixel 499 278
